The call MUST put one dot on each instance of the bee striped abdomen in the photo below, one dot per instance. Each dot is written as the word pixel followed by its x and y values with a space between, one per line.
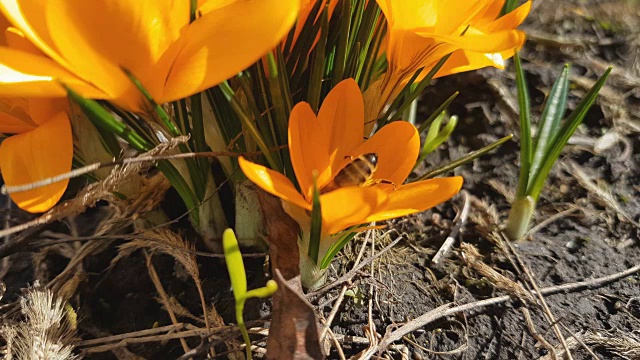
pixel 356 173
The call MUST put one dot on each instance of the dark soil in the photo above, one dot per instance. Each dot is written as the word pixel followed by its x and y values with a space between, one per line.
pixel 592 230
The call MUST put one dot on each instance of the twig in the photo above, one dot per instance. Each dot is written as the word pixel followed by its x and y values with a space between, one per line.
pixel 551 219
pixel 4 189
pixel 163 295
pixel 346 277
pixel 543 303
pixel 579 340
pixel 536 335
pixel 338 302
pixel 459 221
pixel 449 309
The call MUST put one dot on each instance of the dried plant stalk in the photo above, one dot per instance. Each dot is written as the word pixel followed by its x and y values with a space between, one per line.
pixel 47 331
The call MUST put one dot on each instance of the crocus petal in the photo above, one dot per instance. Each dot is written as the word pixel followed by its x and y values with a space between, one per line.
pixel 14 118
pixel 491 13
pixel 349 206
pixel 27 75
pixel 507 22
pixel 306 142
pixel 397 145
pixel 416 197
pixel 35 155
pixel 43 109
pixel 98 38
pixel 324 144
pixel 29 18
pixel 273 182
pixel 341 120
pixel 461 61
pixel 16 40
pixel 4 24
pixel 452 18
pixel 225 41
pixel 486 43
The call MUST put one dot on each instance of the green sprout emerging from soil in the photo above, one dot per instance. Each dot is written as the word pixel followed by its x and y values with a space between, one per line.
pixel 539 152
pixel 235 265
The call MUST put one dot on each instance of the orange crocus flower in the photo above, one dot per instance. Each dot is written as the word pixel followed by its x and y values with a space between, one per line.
pixel 86 44
pixel 42 146
pixel 421 32
pixel 321 146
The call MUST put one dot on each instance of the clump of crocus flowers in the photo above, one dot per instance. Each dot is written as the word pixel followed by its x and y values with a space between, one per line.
pixel 243 75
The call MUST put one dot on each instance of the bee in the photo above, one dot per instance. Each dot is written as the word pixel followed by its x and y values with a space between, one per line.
pixel 358 172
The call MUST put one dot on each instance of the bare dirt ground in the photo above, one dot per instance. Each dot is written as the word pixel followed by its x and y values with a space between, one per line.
pixel 475 303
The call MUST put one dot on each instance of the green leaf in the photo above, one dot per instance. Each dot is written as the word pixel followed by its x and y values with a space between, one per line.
pixel 440 110
pixel 314 88
pixel 105 120
pixel 465 159
pixel 342 46
pixel 316 225
pixel 400 104
pixel 335 248
pixel 371 63
pixel 182 187
pixel 164 117
pixel 248 123
pixel 525 128
pixel 550 122
pixel 437 135
pixel 509 6
pixel 570 125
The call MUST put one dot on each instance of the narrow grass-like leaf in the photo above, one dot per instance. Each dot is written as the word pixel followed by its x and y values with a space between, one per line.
pixel 105 120
pixel 550 120
pixel 164 117
pixel 248 124
pixel 570 125
pixel 316 225
pixel 109 142
pixel 193 8
pixel 226 118
pixel 413 93
pixel 335 248
pixel 437 112
pixel 182 187
pixel 314 88
pixel 525 128
pixel 342 46
pixel 368 69
pixel 465 159
pixel 509 6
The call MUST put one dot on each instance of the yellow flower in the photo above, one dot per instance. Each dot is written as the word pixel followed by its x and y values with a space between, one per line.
pixel 43 144
pixel 42 148
pixel 85 44
pixel 421 32
pixel 323 145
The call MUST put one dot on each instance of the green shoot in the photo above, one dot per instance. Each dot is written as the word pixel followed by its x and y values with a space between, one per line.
pixel 539 153
pixel 437 134
pixel 238 278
